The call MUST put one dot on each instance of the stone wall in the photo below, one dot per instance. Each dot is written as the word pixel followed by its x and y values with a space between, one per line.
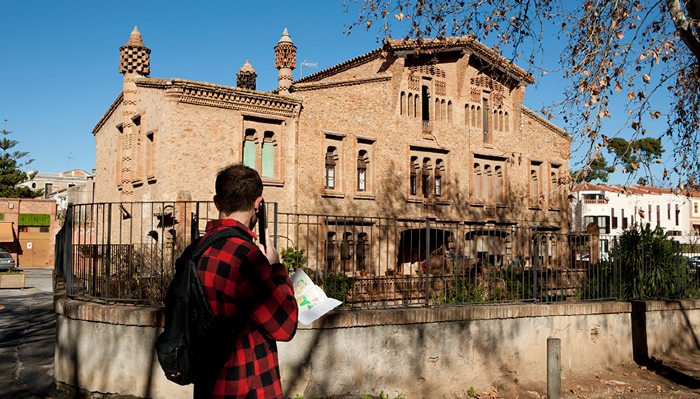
pixel 422 352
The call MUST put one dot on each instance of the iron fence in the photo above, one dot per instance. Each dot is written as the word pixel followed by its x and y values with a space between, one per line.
pixel 127 251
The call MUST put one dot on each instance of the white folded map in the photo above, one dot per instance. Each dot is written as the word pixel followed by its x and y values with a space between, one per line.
pixel 313 302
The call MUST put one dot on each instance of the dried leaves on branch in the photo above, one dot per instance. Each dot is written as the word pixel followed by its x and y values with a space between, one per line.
pixel 635 60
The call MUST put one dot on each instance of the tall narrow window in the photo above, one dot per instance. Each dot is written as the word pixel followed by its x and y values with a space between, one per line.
pixel 499 184
pixel 658 215
pixel 249 150
pixel 416 102
pixel 410 104
pixel 268 155
pixel 479 117
pixel 402 103
pixel 668 211
pixel 678 211
pixel 466 115
pixel 478 197
pixel 534 185
pixel 554 189
pixel 413 182
pixel 613 218
pixel 362 171
pixel 330 168
pixel 425 177
pixel 487 183
pixel 507 121
pixel 425 109
pixel 485 121
pixel 439 169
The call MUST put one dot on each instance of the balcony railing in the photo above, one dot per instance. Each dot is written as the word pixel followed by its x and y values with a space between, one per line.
pixel 595 200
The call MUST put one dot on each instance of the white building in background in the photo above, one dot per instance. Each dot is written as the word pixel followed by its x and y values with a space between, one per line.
pixel 55 182
pixel 617 208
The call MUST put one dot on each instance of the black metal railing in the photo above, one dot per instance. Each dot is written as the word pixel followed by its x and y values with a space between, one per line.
pixel 126 252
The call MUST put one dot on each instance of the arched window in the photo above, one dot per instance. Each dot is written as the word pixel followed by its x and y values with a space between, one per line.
pixel 443 115
pixel 268 155
pixel 449 111
pixel 331 160
pixel 249 150
pixel 439 171
pixel 534 187
pixel 425 177
pixel 402 104
pixel 413 172
pixel 416 101
pixel 488 184
pixel 410 104
pixel 478 112
pixel 473 111
pixel 362 171
pixel 466 115
pixel 496 126
pixel 477 183
pixel 554 189
pixel 438 110
pixel 499 184
pixel 507 121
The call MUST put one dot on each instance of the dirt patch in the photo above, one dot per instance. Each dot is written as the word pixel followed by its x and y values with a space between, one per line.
pixel 674 377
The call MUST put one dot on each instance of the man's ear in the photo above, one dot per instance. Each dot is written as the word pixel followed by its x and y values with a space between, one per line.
pixel 216 203
pixel 256 204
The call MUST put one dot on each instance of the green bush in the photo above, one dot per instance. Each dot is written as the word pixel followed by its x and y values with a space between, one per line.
pixel 644 265
pixel 293 258
pixel 337 285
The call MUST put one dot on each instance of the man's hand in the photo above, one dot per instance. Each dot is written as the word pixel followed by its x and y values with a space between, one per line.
pixel 270 252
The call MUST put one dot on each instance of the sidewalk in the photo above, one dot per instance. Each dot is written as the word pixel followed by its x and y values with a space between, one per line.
pixel 27 338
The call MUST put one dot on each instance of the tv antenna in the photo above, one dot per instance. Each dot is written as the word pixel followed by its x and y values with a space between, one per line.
pixel 307 64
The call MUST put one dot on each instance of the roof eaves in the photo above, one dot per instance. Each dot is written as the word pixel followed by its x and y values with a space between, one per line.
pixel 343 66
pixel 109 113
pixel 547 123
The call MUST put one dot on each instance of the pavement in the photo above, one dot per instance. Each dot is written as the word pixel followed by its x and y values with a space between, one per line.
pixel 27 338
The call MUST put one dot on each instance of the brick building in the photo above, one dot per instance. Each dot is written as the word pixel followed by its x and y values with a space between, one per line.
pixel 27 230
pixel 437 131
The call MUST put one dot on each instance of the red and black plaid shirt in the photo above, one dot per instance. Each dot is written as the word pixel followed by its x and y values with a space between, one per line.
pixel 241 285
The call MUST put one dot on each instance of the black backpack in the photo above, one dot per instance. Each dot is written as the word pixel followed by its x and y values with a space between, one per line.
pixel 193 339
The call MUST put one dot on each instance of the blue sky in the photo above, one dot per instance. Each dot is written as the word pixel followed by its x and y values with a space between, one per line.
pixel 59 68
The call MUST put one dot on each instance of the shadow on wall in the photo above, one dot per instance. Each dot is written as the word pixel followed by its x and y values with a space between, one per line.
pixel 640 348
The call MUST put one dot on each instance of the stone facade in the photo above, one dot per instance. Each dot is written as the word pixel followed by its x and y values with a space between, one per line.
pixel 440 130
pixel 433 132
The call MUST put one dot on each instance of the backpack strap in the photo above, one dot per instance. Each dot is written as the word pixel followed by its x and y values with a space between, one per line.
pixel 210 239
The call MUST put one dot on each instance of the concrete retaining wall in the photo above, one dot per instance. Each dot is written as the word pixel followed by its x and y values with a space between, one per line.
pixel 439 352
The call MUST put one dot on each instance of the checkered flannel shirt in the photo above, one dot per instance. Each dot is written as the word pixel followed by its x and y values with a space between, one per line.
pixel 240 283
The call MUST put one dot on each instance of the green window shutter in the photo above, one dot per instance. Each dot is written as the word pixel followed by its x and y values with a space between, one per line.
pixel 34 220
pixel 249 154
pixel 268 160
pixel 2 216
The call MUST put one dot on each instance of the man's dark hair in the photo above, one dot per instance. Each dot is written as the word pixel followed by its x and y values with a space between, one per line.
pixel 237 187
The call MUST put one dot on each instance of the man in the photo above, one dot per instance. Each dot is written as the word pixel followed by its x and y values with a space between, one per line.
pixel 245 283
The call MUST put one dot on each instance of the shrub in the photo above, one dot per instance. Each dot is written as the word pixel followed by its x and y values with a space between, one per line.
pixel 293 258
pixel 337 285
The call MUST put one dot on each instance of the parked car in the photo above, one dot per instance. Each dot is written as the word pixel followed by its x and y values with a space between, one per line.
pixel 7 262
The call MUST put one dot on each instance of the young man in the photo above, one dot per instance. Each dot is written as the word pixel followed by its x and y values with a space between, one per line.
pixel 246 284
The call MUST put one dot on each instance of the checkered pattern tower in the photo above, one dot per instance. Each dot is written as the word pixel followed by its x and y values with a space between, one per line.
pixel 134 56
pixel 134 63
pixel 285 62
